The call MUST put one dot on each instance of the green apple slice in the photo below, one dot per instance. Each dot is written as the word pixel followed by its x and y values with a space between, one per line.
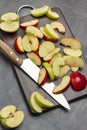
pixel 42 101
pixel 49 70
pixel 50 32
pixel 38 12
pixel 33 104
pixel 10 16
pixel 52 15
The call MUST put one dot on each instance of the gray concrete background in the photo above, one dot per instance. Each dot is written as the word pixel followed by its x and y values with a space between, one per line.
pixel 75 11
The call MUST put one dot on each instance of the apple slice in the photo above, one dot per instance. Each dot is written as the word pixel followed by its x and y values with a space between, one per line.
pixel 52 15
pixel 51 54
pixel 19 45
pixel 33 104
pixel 72 42
pixel 27 46
pixel 9 22
pixel 72 52
pixel 64 70
pixel 64 84
pixel 34 57
pixel 49 70
pixel 34 31
pixel 74 62
pixel 42 101
pixel 35 42
pixel 58 62
pixel 59 26
pixel 78 81
pixel 50 32
pixel 43 76
pixel 45 48
pixel 11 117
pixel 38 12
pixel 33 22
pixel 74 69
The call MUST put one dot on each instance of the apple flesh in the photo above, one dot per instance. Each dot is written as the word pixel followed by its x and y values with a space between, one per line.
pixel 64 84
pixel 78 81
pixel 52 15
pixel 19 45
pixel 64 70
pixel 43 76
pixel 33 22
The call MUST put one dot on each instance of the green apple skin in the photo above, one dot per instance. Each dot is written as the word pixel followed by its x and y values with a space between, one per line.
pixel 40 11
pixel 3 122
pixel 52 15
pixel 49 70
pixel 50 32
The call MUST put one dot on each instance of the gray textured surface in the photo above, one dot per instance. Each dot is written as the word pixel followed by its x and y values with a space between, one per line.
pixel 75 11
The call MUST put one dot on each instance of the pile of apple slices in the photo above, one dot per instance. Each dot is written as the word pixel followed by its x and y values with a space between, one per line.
pixel 38 102
pixel 10 117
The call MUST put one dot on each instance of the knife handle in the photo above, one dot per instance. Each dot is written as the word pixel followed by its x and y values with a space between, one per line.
pixel 10 54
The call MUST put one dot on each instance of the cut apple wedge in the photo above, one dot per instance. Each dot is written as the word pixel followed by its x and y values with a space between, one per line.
pixel 42 101
pixel 51 54
pixel 58 62
pixel 27 46
pixel 52 15
pixel 18 44
pixel 45 48
pixel 34 57
pixel 59 26
pixel 33 22
pixel 34 31
pixel 74 69
pixel 43 76
pixel 50 32
pixel 49 70
pixel 9 22
pixel 72 42
pixel 72 52
pixel 64 84
pixel 64 70
pixel 38 12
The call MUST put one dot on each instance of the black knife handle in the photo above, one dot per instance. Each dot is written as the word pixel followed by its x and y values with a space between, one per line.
pixel 10 54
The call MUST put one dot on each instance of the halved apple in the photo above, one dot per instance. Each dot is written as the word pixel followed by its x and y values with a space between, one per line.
pixel 43 76
pixel 27 46
pixel 64 84
pixel 18 44
pixel 42 101
pixel 59 26
pixel 38 12
pixel 72 42
pixel 52 15
pixel 33 22
pixel 34 57
pixel 9 22
pixel 45 48
pixel 50 32
pixel 49 70
pixel 72 52
pixel 58 62
pixel 11 117
pixel 34 31
pixel 51 54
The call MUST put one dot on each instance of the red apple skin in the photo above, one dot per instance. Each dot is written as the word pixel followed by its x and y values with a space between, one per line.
pixel 48 38
pixel 24 27
pixel 44 79
pixel 17 48
pixel 78 81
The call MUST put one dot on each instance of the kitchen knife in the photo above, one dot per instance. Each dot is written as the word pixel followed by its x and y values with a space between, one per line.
pixel 26 65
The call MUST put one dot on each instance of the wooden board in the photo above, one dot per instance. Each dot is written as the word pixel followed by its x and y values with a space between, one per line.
pixel 27 84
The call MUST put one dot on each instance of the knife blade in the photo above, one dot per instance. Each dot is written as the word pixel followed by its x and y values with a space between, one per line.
pixel 26 65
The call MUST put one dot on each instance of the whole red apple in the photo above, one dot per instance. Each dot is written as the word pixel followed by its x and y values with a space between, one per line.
pixel 78 81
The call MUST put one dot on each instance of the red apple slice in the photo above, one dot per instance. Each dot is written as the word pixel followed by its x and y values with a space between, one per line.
pixel 35 58
pixel 64 84
pixel 18 44
pixel 43 76
pixel 33 22
pixel 45 48
pixel 59 26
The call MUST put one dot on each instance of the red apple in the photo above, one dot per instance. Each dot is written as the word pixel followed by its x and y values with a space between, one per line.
pixel 43 76
pixel 18 45
pixel 78 81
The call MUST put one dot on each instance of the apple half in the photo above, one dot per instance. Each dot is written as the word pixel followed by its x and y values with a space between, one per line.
pixel 52 15
pixel 63 85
